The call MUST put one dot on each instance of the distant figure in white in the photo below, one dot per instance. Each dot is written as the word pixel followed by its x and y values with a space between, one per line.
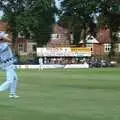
pixel 40 63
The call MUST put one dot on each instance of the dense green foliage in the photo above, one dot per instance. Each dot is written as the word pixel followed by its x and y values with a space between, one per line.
pixel 34 18
pixel 30 18
pixel 110 16
pixel 77 15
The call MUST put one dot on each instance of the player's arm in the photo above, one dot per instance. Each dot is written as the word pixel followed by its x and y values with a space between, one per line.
pixel 6 39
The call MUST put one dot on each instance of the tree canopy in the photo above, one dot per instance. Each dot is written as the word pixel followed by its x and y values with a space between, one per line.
pixel 34 18
pixel 81 13
pixel 29 18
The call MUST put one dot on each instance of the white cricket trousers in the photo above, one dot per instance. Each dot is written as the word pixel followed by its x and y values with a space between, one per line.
pixel 10 83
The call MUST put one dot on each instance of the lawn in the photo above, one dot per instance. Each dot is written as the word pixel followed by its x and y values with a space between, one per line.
pixel 64 94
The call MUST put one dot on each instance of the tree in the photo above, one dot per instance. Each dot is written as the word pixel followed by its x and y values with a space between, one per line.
pixel 78 13
pixel 30 18
pixel 110 17
pixel 79 16
pixel 42 18
pixel 12 9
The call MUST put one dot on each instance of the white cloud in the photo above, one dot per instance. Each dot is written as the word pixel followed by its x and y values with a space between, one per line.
pixel 1 13
pixel 57 2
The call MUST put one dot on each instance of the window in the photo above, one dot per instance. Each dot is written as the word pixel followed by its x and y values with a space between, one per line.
pixel 107 47
pixel 34 47
pixel 71 38
pixel 56 36
pixel 118 47
pixel 20 47
pixel 90 46
pixel 53 36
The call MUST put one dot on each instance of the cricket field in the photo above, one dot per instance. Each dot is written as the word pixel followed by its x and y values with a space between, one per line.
pixel 64 94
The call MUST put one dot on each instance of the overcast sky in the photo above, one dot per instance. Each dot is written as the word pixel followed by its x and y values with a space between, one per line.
pixel 57 4
pixel 1 13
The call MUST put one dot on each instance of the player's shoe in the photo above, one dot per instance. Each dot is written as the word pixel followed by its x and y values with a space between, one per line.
pixel 14 96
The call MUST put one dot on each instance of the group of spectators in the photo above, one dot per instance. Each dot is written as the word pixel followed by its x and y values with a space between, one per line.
pixel 93 62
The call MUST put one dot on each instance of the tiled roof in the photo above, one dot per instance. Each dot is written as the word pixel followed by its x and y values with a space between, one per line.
pixel 103 36
pixel 90 40
pixel 58 29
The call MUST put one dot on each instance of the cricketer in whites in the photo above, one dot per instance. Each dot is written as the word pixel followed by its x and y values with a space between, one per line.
pixel 7 60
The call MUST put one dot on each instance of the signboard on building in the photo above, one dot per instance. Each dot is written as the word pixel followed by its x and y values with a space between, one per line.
pixel 64 52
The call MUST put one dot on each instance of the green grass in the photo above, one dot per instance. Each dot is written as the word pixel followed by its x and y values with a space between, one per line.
pixel 64 94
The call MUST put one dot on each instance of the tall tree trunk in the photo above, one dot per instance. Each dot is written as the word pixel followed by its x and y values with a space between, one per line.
pixel 76 34
pixel 12 23
pixel 113 30
pixel 84 34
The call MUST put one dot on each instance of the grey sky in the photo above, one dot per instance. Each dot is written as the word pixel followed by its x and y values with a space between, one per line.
pixel 58 3
pixel 58 6
pixel 1 13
